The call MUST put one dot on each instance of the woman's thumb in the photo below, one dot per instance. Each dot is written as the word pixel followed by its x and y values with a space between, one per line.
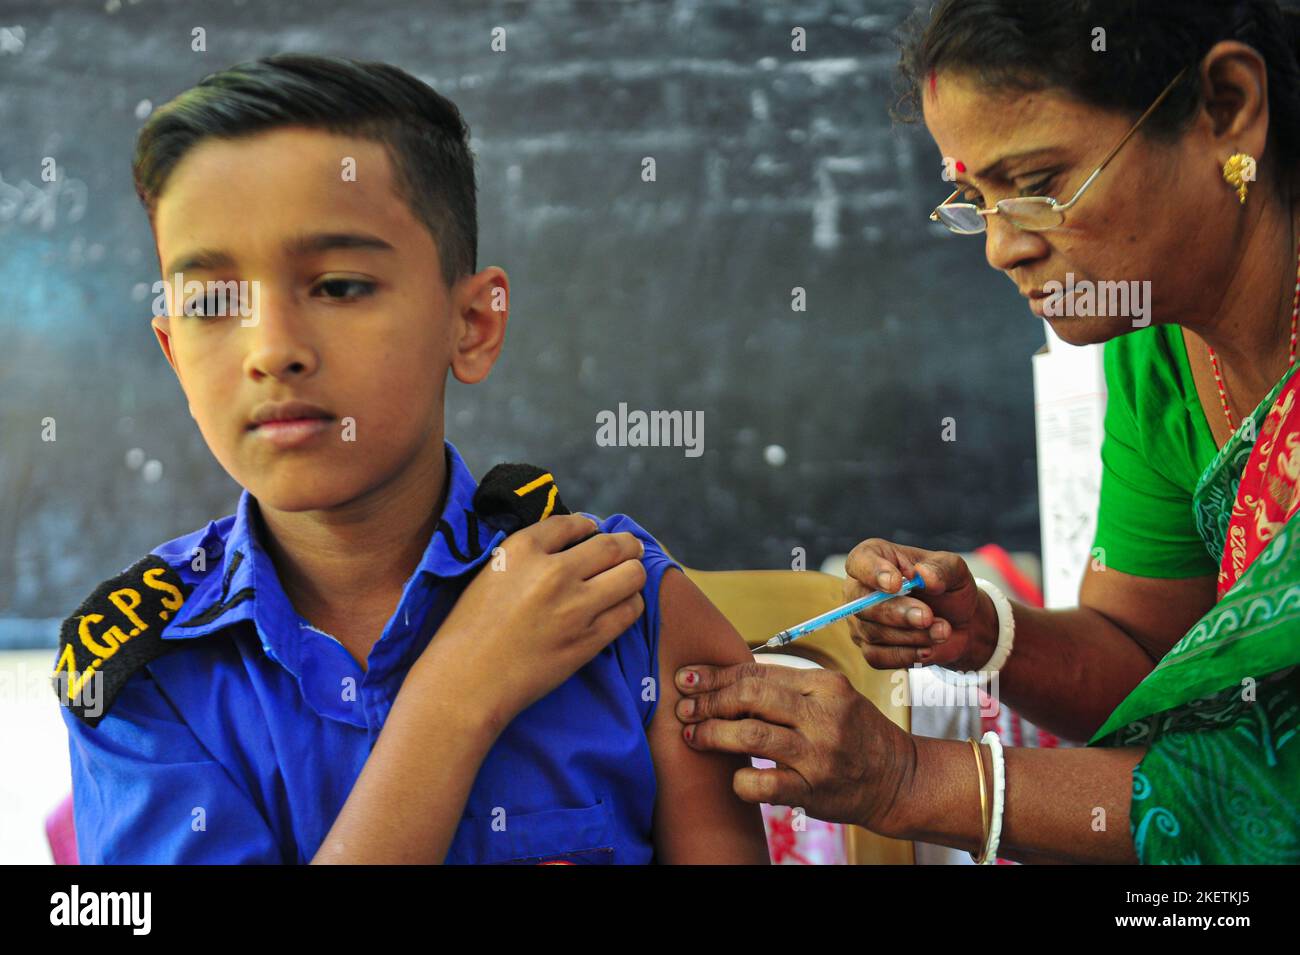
pixel 943 572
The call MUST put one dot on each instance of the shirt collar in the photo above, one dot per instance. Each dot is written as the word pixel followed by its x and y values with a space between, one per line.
pixel 247 577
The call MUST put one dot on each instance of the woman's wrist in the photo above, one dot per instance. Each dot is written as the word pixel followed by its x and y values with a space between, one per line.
pixel 892 804
pixel 939 801
pixel 984 629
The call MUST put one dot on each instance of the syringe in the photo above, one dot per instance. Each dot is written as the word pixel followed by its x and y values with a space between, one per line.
pixel 786 637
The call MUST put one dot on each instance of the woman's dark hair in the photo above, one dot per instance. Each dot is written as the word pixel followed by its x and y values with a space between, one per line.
pixel 1036 44
pixel 426 137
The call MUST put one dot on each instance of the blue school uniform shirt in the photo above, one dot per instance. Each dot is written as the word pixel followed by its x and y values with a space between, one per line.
pixel 242 743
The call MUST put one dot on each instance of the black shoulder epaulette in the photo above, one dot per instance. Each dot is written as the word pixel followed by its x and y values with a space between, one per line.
pixel 116 631
pixel 118 628
pixel 512 496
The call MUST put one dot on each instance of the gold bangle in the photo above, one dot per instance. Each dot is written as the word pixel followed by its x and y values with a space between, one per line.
pixel 984 801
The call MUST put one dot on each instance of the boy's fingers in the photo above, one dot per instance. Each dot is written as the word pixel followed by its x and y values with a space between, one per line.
pixel 600 553
pixel 618 583
pixel 613 621
pixel 560 531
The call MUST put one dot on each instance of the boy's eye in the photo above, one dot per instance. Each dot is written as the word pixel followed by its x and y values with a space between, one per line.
pixel 346 288
pixel 208 306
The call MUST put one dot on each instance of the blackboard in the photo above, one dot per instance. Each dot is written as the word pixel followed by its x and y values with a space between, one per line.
pixel 775 169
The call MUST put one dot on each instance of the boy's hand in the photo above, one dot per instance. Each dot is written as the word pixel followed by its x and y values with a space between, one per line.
pixel 536 613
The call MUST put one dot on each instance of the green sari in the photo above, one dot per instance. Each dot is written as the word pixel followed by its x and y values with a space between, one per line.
pixel 1220 713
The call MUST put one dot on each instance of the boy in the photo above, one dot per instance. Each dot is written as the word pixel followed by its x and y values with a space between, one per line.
pixel 354 667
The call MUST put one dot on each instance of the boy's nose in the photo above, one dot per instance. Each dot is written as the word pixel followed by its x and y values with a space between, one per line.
pixel 276 335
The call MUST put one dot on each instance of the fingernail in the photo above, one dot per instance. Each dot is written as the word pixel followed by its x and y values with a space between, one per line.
pixel 915 617
pixel 687 677
pixel 937 635
pixel 883 578
pixel 686 707
pixel 689 732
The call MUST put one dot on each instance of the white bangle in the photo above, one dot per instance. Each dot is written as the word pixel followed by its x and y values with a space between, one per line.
pixel 1006 638
pixel 990 853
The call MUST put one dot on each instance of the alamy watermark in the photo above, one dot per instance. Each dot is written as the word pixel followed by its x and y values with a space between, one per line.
pixel 211 299
pixel 651 429
pixel 974 688
pixel 75 907
pixel 1085 299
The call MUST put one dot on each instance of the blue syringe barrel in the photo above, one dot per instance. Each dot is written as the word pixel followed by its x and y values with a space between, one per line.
pixel 852 607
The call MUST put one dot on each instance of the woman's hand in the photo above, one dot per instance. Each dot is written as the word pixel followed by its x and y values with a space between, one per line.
pixel 540 610
pixel 838 757
pixel 950 622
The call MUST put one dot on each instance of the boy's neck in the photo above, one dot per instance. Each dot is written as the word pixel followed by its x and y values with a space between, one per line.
pixel 351 562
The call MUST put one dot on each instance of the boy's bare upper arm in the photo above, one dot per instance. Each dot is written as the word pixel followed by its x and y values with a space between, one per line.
pixel 698 817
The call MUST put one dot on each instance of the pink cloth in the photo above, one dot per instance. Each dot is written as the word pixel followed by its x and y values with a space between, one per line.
pixel 60 834
pixel 797 839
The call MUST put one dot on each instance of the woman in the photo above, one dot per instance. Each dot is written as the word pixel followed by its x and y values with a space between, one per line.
pixel 1170 131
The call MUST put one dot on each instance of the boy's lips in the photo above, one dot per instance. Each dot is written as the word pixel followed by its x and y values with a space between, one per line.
pixel 285 424
pixel 283 412
pixel 288 434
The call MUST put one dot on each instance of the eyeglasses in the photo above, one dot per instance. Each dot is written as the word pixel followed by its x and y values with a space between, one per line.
pixel 1031 213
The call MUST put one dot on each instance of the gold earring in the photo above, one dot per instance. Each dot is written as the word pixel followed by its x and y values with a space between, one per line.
pixel 1239 170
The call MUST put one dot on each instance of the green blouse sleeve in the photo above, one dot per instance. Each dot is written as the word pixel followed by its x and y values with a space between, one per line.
pixel 1155 446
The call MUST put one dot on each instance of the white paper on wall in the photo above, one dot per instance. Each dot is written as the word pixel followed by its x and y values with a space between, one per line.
pixel 1069 415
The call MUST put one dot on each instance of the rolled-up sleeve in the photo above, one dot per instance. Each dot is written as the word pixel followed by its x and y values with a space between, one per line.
pixel 638 652
pixel 146 791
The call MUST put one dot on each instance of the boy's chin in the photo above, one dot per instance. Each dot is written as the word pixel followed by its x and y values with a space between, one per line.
pixel 292 496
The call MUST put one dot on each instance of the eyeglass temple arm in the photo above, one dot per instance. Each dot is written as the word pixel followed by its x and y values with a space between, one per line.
pixel 1120 145
pixel 934 216
pixel 934 213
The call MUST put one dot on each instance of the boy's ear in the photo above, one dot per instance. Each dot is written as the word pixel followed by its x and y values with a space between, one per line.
pixel 481 306
pixel 163 330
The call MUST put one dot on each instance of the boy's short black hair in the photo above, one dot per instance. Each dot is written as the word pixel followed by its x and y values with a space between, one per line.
pixel 426 137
